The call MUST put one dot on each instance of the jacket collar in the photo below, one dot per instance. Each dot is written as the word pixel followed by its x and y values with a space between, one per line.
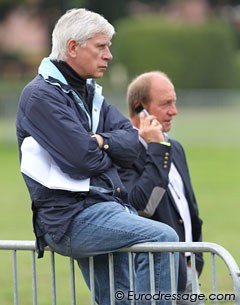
pixel 51 74
pixel 48 70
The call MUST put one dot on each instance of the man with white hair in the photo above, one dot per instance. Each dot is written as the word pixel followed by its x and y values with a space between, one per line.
pixel 63 112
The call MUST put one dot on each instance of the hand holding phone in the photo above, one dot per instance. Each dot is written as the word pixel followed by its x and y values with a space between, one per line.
pixel 150 129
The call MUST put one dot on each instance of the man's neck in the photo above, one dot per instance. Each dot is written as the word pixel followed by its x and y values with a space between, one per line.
pixel 72 78
pixel 135 121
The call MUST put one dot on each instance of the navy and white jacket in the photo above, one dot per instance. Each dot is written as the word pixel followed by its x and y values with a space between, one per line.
pixel 55 116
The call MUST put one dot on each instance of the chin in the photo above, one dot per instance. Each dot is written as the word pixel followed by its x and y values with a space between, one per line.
pixel 166 128
pixel 98 75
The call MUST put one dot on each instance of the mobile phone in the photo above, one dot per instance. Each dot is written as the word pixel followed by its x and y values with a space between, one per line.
pixel 140 109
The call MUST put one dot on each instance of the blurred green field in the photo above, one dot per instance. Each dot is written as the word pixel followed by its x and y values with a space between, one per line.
pixel 212 143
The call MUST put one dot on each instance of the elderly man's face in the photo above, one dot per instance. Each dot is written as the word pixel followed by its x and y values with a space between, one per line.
pixel 91 59
pixel 163 102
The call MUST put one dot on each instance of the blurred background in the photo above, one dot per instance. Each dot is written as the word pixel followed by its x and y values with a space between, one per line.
pixel 196 42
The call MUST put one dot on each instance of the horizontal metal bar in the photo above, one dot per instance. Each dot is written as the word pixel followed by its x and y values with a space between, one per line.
pixel 17 245
pixel 144 247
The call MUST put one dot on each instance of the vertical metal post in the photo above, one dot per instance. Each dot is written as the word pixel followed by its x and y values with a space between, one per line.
pixel 172 274
pixel 214 276
pixel 34 278
pixel 72 282
pixel 53 278
pixel 152 276
pixel 92 284
pixel 195 288
pixel 111 278
pixel 15 277
pixel 131 273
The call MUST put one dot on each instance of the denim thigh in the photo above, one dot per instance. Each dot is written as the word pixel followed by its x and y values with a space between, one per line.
pixel 107 227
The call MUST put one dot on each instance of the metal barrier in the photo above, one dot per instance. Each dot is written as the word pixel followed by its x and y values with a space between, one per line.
pixel 213 249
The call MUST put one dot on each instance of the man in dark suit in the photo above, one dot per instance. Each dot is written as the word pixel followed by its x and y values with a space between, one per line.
pixel 158 182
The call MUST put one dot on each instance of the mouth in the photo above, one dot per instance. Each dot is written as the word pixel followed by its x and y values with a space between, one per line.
pixel 103 68
pixel 167 123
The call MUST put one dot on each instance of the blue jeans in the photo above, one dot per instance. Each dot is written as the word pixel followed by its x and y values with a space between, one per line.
pixel 107 227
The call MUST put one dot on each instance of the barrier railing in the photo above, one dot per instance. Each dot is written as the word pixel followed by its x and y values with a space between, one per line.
pixel 213 249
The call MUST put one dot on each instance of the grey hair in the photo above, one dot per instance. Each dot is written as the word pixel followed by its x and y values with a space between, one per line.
pixel 80 25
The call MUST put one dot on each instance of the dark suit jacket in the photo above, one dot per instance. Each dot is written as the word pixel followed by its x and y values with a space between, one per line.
pixel 147 183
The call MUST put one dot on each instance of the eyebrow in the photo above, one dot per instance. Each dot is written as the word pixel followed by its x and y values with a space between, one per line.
pixel 103 44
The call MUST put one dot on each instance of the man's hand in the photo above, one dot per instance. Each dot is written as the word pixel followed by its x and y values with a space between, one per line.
pixel 99 140
pixel 150 129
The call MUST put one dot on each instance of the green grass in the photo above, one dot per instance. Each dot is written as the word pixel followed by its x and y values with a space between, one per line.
pixel 212 144
pixel 211 140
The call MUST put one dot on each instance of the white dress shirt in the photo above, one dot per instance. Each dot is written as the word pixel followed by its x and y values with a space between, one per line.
pixel 177 190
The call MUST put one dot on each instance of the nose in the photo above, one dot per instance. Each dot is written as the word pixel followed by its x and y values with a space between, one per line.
pixel 108 55
pixel 173 109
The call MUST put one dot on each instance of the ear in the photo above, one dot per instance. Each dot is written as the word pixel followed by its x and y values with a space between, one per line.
pixel 136 104
pixel 72 48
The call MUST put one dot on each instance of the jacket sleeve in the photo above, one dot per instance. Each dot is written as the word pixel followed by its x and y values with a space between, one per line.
pixel 120 138
pixel 147 180
pixel 57 128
